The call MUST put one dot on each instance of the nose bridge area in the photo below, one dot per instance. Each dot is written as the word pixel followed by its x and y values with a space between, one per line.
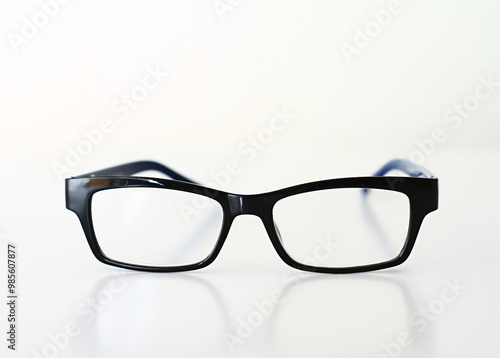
pixel 246 204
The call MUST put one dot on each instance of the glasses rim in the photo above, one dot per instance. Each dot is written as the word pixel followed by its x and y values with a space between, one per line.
pixel 422 193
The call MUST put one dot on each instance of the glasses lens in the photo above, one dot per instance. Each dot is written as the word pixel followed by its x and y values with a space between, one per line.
pixel 155 227
pixel 343 227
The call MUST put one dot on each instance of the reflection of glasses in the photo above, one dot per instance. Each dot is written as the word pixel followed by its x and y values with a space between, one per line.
pixel 333 226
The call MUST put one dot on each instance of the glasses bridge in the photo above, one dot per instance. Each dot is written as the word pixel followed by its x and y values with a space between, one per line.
pixel 247 204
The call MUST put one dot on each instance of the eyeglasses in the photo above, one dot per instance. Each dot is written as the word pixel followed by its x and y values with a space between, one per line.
pixel 333 226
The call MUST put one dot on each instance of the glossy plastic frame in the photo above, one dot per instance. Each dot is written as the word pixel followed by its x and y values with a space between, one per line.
pixel 421 188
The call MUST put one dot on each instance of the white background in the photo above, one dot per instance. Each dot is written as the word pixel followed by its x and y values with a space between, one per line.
pixel 229 71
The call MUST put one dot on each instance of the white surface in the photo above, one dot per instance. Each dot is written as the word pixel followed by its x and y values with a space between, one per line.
pixel 227 80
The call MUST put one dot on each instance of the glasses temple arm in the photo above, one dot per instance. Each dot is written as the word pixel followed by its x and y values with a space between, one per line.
pixel 407 167
pixel 137 167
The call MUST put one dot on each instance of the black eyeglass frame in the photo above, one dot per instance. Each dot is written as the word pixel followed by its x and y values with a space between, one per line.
pixel 421 188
